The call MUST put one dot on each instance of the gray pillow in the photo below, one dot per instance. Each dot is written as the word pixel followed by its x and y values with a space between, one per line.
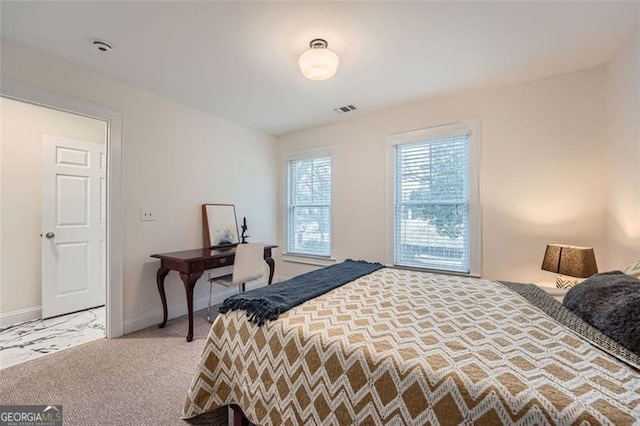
pixel 610 302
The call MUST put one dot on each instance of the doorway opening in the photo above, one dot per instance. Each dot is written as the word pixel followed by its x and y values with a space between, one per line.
pixel 54 220
pixel 60 222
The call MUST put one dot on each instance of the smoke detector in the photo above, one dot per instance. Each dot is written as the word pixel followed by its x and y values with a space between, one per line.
pixel 102 46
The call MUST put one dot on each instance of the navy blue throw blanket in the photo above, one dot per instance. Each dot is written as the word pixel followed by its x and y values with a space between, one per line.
pixel 268 302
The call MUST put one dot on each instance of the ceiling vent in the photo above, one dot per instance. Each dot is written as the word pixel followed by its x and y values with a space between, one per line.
pixel 102 45
pixel 343 109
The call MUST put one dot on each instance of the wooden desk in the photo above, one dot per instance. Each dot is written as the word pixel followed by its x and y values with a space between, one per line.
pixel 191 264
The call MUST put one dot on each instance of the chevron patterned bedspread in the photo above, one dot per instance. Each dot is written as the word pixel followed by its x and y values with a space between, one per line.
pixel 412 348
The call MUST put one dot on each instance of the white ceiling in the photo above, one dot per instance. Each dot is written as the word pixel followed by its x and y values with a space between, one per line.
pixel 238 60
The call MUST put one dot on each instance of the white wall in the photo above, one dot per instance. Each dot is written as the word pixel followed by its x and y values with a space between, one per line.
pixel 23 128
pixel 175 159
pixel 541 179
pixel 623 142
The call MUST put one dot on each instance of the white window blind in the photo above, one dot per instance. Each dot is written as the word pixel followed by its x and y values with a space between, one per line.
pixel 309 206
pixel 431 203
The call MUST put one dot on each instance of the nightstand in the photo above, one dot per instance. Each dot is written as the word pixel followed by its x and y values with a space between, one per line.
pixel 553 291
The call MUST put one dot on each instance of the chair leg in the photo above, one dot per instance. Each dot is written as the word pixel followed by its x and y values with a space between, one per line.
pixel 209 305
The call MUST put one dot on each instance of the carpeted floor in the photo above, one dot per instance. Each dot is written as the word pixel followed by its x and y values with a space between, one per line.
pixel 139 379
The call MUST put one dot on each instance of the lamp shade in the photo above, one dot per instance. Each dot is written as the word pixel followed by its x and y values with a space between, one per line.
pixel 318 63
pixel 573 261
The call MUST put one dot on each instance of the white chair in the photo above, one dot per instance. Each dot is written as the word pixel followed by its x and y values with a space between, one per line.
pixel 248 265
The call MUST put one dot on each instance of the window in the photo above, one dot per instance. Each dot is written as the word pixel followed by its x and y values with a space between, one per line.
pixel 309 206
pixel 435 210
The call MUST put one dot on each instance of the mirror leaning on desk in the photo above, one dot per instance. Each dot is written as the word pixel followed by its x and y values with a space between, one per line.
pixel 220 225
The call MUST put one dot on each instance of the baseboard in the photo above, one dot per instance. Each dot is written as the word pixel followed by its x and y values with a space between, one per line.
pixel 176 311
pixel 135 324
pixel 22 315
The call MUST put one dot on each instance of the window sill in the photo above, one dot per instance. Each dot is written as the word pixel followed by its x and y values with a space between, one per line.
pixel 308 260
pixel 435 271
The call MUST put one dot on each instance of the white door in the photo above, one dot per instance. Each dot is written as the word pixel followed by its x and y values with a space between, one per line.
pixel 73 225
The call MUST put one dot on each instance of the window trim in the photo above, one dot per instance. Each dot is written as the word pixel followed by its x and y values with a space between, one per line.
pixel 475 208
pixel 311 259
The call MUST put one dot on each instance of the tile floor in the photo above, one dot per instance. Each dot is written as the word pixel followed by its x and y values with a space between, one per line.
pixel 32 339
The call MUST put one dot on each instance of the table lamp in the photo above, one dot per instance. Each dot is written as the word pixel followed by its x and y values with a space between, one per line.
pixel 570 261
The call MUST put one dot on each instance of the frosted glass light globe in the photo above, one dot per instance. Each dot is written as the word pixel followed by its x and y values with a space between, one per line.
pixel 318 63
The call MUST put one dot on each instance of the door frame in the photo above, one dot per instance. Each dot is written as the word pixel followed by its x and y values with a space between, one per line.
pixel 115 235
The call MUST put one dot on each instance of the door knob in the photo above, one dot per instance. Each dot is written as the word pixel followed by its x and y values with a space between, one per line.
pixel 49 235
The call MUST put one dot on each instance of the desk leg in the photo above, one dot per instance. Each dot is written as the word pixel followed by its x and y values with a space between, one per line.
pixel 272 267
pixel 189 281
pixel 160 276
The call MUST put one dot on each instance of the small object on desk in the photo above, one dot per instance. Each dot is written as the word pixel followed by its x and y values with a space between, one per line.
pixel 244 229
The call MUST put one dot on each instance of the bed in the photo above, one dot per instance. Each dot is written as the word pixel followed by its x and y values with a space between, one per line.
pixel 406 347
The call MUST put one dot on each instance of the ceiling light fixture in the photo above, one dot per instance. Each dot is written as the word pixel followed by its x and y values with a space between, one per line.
pixel 318 63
